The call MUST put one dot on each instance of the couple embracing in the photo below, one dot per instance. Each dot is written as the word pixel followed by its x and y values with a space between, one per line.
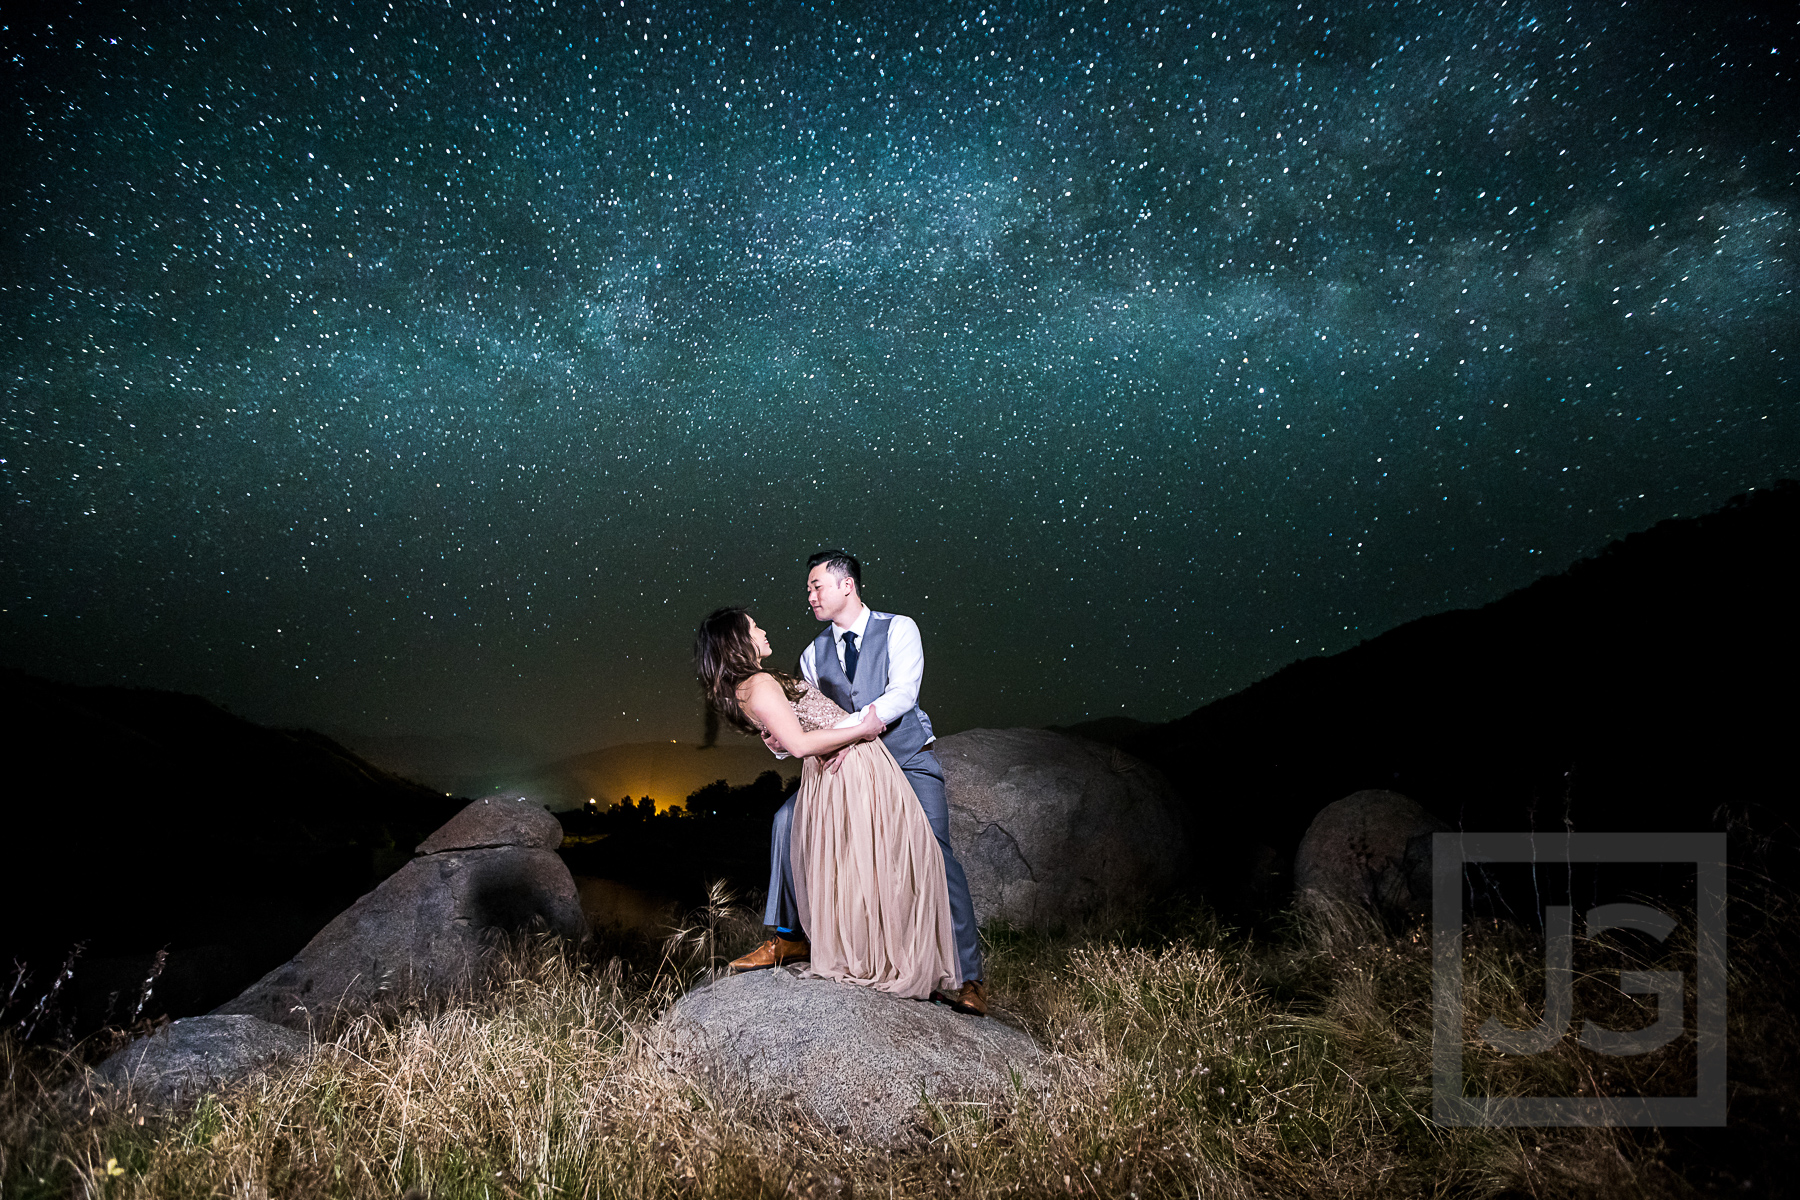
pixel 862 879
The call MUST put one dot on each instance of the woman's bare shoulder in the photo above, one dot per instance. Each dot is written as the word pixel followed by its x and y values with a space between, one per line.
pixel 760 683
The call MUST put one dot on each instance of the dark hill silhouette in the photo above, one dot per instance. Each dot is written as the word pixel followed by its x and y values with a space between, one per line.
pixel 1650 687
pixel 141 819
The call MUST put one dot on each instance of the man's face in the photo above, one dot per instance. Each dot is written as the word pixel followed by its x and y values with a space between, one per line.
pixel 830 596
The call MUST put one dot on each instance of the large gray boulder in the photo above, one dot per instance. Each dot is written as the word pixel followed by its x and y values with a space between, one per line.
pixel 1371 849
pixel 495 822
pixel 854 1059
pixel 488 873
pixel 1051 828
pixel 188 1058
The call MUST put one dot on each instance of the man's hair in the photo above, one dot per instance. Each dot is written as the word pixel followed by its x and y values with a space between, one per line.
pixel 839 562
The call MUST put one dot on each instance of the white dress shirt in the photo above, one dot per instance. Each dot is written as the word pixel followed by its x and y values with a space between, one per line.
pixel 906 662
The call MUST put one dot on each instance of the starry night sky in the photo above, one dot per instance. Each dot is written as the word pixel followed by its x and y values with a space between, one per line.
pixel 422 368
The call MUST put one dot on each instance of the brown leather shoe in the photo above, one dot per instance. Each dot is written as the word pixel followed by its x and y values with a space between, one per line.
pixel 970 998
pixel 772 953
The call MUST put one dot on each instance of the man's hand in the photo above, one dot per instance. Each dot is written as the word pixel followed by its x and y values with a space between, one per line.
pixel 773 743
pixel 870 727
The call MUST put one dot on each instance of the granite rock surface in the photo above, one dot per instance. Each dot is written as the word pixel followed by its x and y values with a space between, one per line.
pixel 855 1060
pixel 1051 828
pixel 488 874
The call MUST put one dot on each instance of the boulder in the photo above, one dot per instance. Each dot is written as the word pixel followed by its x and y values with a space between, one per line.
pixel 507 820
pixel 1051 827
pixel 425 930
pixel 851 1058
pixel 193 1056
pixel 1371 849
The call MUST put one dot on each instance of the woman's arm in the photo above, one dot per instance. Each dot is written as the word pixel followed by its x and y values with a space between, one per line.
pixel 763 699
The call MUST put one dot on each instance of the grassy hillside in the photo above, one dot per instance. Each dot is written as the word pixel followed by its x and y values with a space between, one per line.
pixel 143 819
pixel 1192 1061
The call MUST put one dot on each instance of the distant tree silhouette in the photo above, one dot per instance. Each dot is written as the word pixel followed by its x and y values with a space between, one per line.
pixel 626 809
pixel 759 798
pixel 710 800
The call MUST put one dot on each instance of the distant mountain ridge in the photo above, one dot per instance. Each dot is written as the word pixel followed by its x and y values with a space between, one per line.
pixel 463 766
pixel 668 772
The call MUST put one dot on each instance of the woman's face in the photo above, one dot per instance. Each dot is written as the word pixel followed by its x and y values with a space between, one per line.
pixel 759 640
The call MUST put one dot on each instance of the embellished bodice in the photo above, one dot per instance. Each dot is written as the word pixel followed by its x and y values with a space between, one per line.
pixel 816 710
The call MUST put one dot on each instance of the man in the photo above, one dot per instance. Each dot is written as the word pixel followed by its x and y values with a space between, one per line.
pixel 864 656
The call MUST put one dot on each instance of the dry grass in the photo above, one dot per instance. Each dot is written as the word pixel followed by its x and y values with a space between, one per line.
pixel 1199 1063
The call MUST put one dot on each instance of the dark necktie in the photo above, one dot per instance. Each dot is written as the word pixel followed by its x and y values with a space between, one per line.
pixel 850 657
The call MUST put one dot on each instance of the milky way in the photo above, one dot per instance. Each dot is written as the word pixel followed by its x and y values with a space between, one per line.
pixel 434 368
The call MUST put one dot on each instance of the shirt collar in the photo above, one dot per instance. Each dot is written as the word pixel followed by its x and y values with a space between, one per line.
pixel 858 627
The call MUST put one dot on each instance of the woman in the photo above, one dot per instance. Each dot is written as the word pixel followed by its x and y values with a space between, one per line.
pixel 868 874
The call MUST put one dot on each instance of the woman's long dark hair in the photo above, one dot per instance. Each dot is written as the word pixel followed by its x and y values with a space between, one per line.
pixel 724 657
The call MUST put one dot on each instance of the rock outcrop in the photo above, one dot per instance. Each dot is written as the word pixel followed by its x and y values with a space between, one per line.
pixel 1051 828
pixel 489 872
pixel 496 822
pixel 188 1058
pixel 1373 849
pixel 854 1059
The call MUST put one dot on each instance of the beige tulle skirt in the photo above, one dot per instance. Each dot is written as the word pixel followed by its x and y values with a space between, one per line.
pixel 869 877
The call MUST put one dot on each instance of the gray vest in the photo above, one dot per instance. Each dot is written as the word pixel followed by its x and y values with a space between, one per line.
pixel 905 737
